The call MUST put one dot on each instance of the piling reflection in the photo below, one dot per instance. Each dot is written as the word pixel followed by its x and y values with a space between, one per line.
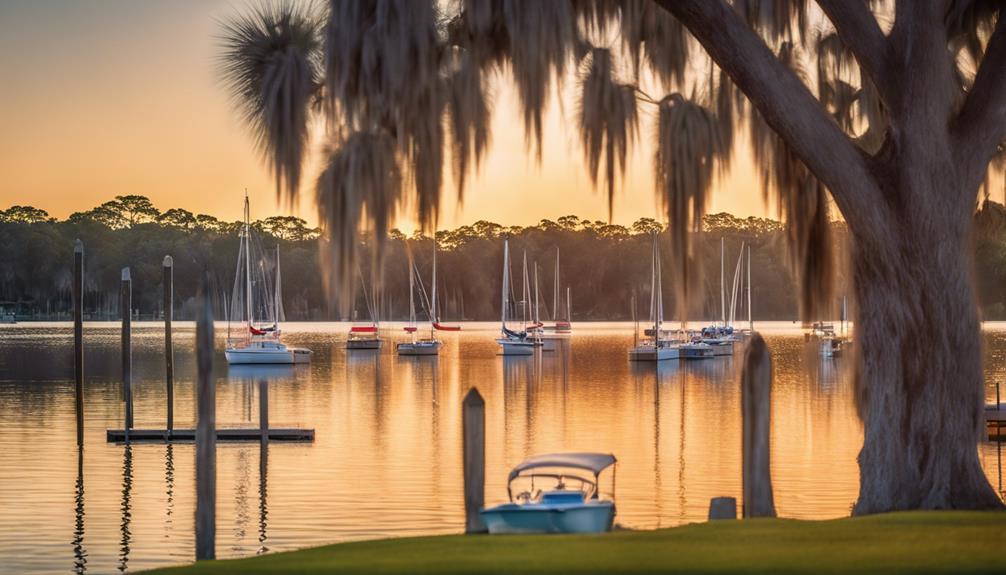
pixel 126 508
pixel 169 488
pixel 79 554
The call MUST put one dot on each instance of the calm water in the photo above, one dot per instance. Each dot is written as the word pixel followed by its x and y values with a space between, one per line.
pixel 386 461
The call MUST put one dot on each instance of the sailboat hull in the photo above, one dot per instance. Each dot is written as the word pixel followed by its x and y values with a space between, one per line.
pixel 651 353
pixel 253 355
pixel 420 348
pixel 363 344
pixel 521 347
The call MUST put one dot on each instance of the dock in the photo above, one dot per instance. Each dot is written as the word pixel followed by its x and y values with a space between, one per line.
pixel 189 435
pixel 995 421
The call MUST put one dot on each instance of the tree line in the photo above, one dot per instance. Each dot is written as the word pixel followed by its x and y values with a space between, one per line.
pixel 604 265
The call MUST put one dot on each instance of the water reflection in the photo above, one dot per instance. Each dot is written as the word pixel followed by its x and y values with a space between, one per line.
pixel 126 507
pixel 79 554
pixel 386 456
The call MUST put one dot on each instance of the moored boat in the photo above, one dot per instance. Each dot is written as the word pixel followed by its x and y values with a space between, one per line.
pixel 258 302
pixel 655 349
pixel 571 505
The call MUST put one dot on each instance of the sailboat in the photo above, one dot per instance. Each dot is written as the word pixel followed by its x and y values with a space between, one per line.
pixel 547 341
pixel 655 349
pixel 434 316
pixel 365 336
pixel 419 346
pixel 258 304
pixel 720 337
pixel 512 342
pixel 561 326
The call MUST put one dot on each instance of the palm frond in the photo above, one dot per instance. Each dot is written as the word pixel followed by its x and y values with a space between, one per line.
pixel 270 64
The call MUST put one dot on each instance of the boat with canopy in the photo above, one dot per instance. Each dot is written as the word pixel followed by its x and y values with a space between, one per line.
pixel 257 304
pixel 569 503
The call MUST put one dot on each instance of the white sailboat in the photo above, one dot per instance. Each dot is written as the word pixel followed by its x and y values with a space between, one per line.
pixel 259 305
pixel 434 315
pixel 719 337
pixel 546 340
pixel 365 336
pixel 419 346
pixel 656 349
pixel 512 342
pixel 560 326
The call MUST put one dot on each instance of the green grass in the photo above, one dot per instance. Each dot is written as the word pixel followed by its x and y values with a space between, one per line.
pixel 916 542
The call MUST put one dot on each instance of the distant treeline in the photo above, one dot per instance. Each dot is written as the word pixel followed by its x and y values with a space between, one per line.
pixel 603 264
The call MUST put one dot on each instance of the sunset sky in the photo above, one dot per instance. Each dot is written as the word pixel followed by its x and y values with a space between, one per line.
pixel 112 97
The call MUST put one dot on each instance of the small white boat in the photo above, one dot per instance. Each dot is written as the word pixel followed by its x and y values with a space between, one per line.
pixel 267 351
pixel 258 302
pixel 563 508
pixel 363 337
pixel 696 350
pixel 420 347
pixel 649 352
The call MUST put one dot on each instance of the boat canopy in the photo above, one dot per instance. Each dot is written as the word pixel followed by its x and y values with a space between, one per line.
pixel 593 462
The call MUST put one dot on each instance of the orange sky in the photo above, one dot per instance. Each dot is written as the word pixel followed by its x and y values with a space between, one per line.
pixel 112 97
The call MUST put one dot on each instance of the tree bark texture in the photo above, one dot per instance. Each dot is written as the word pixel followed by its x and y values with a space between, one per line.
pixel 909 207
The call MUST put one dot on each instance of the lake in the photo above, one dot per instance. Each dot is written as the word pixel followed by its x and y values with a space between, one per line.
pixel 386 460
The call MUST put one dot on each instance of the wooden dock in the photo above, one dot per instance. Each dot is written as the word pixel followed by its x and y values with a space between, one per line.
pixel 995 421
pixel 189 435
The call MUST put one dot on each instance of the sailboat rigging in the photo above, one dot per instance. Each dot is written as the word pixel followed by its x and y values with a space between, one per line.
pixel 257 303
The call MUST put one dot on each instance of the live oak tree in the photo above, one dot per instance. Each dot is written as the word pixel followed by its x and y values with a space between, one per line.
pixel 890 110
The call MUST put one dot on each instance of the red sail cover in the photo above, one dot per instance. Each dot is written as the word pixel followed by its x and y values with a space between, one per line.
pixel 446 327
pixel 410 328
pixel 256 331
pixel 363 329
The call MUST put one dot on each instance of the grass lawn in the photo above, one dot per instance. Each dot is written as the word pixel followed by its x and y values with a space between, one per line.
pixel 916 542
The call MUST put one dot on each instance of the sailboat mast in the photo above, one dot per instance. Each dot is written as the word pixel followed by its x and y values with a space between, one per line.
pixel 537 314
pixel 569 306
pixel 248 281
pixel 412 300
pixel 750 321
pixel 433 303
pixel 555 294
pixel 723 293
pixel 653 283
pixel 278 294
pixel 525 293
pixel 506 281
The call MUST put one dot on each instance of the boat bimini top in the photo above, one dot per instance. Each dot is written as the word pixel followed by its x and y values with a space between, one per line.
pixel 594 463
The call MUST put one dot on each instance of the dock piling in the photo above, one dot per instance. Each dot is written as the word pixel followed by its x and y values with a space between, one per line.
pixel 473 415
pixel 78 336
pixel 206 437
pixel 169 359
pixel 125 304
pixel 756 405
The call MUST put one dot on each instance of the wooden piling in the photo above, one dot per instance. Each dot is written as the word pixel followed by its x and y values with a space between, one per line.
pixel 206 437
pixel 126 306
pixel 756 405
pixel 473 416
pixel 169 359
pixel 78 336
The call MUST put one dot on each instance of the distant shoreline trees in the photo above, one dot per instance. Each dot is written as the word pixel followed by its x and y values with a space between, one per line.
pixel 603 263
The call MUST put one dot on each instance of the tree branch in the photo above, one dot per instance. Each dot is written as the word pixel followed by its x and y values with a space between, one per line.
pixel 859 30
pixel 788 107
pixel 981 124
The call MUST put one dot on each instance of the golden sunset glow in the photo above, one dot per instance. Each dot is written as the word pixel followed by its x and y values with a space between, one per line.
pixel 119 97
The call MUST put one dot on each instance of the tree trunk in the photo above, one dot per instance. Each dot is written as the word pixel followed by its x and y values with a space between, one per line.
pixel 919 384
